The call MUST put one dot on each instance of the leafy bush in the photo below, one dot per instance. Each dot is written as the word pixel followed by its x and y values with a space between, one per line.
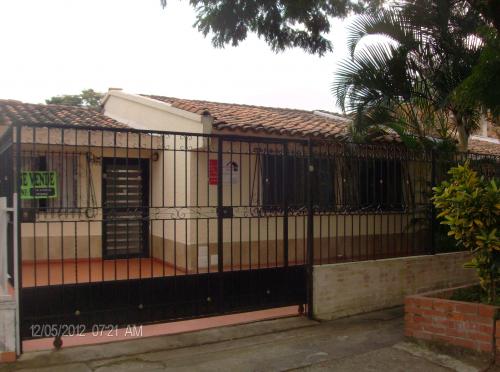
pixel 470 206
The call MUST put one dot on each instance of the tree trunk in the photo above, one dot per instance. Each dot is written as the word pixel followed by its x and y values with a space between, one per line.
pixel 463 136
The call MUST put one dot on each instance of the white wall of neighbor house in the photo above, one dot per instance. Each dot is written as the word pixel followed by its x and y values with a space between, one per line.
pixel 351 288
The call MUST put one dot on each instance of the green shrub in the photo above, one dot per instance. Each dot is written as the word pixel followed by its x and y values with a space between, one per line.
pixel 470 206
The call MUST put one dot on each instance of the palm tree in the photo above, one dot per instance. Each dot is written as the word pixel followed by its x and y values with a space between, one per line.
pixel 405 65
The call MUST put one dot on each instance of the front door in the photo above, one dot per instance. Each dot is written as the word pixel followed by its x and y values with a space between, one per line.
pixel 125 207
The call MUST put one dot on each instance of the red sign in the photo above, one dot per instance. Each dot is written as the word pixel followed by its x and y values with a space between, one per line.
pixel 212 171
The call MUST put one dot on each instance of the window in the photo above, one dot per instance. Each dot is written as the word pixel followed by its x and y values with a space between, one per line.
pixel 374 184
pixel 380 184
pixel 295 183
pixel 273 182
pixel 66 168
pixel 324 184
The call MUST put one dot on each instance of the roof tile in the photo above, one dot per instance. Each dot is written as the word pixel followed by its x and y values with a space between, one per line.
pixel 484 147
pixel 226 116
pixel 287 121
pixel 12 111
pixel 263 119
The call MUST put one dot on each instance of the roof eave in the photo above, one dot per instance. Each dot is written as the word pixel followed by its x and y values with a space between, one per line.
pixel 152 103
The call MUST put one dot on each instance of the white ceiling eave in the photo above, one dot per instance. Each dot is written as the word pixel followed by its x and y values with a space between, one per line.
pixel 153 103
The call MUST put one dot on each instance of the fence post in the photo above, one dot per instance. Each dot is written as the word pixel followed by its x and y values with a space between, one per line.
pixel 433 209
pixel 310 230
pixel 220 204
pixel 220 224
pixel 18 256
pixel 285 202
pixel 4 217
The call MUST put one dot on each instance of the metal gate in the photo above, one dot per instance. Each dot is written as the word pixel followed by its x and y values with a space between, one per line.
pixel 209 233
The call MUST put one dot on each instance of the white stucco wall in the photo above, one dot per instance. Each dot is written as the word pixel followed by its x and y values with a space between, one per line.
pixel 145 113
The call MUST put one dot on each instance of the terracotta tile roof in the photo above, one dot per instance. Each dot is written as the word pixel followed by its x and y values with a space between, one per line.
pixel 28 113
pixel 264 119
pixel 484 146
pixel 287 121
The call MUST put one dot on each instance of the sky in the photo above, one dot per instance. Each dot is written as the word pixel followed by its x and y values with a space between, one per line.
pixel 55 47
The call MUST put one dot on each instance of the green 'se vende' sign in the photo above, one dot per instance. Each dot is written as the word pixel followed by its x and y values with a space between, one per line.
pixel 38 185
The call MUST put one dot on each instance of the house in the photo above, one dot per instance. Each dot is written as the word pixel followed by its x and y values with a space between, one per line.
pixel 360 215
pixel 369 202
pixel 194 208
pixel 255 190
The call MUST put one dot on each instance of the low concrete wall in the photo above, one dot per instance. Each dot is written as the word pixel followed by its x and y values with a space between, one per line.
pixel 7 329
pixel 352 288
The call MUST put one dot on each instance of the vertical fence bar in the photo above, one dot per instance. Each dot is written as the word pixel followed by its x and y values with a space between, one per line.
pixel 18 274
pixel 4 227
pixel 433 209
pixel 285 204
pixel 220 224
pixel 220 206
pixel 310 230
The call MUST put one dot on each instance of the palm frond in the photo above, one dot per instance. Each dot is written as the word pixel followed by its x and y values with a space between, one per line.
pixel 388 23
pixel 423 51
pixel 376 73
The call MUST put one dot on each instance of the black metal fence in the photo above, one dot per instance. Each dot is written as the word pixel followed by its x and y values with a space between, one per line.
pixel 135 226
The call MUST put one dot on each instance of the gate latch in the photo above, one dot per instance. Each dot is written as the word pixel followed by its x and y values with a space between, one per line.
pixel 225 212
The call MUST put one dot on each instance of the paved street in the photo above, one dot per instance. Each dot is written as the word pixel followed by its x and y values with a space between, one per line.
pixel 370 342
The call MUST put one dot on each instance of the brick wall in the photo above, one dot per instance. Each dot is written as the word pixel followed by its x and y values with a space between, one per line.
pixel 463 324
pixel 356 287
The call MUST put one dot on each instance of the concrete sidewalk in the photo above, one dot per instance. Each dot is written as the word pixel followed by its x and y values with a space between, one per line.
pixel 369 342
